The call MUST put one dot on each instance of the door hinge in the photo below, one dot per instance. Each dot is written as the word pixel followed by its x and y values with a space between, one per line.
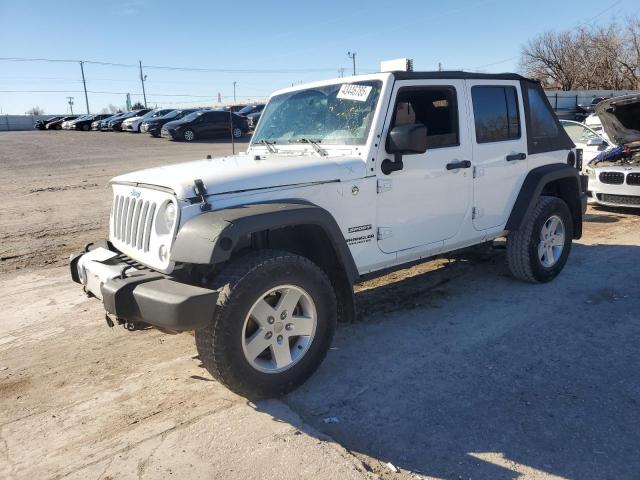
pixel 384 185
pixel 478 172
pixel 384 232
pixel 476 212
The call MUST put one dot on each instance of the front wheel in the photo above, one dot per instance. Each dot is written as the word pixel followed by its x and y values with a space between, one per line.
pixel 188 135
pixel 237 132
pixel 86 128
pixel 273 324
pixel 538 250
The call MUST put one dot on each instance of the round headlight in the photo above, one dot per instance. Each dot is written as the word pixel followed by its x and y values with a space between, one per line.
pixel 170 215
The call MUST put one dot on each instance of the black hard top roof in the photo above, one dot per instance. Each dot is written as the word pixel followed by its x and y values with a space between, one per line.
pixel 459 75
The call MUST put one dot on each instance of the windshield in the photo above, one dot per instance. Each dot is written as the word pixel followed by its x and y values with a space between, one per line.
pixel 339 114
pixel 248 109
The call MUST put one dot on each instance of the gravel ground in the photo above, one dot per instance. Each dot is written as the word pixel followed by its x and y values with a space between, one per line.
pixel 454 370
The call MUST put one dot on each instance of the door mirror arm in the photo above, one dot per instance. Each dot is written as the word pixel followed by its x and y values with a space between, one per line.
pixel 389 166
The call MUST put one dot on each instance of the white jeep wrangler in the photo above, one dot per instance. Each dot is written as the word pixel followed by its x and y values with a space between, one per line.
pixel 343 179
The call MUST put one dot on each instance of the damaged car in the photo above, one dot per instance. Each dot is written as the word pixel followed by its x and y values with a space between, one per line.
pixel 614 174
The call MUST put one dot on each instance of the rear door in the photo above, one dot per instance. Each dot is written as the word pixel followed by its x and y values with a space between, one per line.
pixel 499 149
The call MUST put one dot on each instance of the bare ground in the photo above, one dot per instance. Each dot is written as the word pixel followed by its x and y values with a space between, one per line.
pixel 454 371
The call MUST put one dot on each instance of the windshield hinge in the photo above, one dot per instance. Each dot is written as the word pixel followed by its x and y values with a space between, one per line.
pixel 201 191
pixel 384 185
pixel 384 232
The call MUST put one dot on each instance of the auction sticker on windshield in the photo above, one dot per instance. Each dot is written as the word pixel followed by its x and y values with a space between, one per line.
pixel 350 91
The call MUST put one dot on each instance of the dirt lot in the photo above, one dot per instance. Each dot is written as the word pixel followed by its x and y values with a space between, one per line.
pixel 454 371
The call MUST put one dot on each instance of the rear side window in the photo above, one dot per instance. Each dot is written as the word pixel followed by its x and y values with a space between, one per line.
pixel 434 107
pixel 495 110
pixel 543 122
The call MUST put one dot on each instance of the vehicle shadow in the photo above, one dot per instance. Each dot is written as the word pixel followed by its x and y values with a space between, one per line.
pixel 483 376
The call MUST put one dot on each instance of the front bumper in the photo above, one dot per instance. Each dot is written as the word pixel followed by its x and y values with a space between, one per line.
pixel 130 127
pixel 133 293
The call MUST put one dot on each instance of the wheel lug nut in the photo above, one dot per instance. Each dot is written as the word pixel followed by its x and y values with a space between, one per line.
pixel 289 326
pixel 280 338
pixel 268 335
pixel 283 315
pixel 271 320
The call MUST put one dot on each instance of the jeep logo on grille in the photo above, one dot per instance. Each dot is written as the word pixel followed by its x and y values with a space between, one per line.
pixel 136 193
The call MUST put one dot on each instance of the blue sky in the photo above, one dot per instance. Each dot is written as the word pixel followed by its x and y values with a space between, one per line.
pixel 308 39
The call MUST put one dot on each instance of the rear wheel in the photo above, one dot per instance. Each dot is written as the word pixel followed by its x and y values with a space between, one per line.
pixel 538 250
pixel 237 132
pixel 273 324
pixel 188 135
pixel 86 128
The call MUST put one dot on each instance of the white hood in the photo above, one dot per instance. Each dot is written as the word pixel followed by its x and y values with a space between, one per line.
pixel 244 172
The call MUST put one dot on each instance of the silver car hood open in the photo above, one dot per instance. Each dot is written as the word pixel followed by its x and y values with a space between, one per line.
pixel 620 117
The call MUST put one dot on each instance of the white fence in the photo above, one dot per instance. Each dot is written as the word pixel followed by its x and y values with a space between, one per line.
pixel 20 122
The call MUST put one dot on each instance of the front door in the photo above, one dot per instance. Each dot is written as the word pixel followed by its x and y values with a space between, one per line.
pixel 427 201
pixel 499 150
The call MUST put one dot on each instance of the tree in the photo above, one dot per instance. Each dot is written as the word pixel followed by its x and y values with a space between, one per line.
pixel 35 111
pixel 137 106
pixel 604 57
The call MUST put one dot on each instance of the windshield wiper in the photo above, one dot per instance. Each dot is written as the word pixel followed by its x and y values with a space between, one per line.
pixel 321 151
pixel 269 145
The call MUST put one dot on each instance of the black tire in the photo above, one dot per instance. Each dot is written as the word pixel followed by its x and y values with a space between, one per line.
pixel 242 282
pixel 188 135
pixel 86 128
pixel 522 245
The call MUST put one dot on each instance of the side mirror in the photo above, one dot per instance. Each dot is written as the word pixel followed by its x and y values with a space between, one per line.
pixel 408 139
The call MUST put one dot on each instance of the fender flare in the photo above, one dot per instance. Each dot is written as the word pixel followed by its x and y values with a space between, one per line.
pixel 211 237
pixel 533 186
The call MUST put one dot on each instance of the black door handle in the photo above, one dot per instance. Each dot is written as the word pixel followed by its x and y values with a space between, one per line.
pixel 516 156
pixel 459 164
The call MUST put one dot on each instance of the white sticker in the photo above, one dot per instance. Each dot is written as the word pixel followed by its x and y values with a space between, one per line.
pixel 350 91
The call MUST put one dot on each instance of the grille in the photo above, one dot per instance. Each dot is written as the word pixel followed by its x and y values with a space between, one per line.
pixel 620 199
pixel 613 178
pixel 633 178
pixel 132 221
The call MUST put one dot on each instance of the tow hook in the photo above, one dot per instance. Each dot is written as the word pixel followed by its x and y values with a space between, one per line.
pixel 133 326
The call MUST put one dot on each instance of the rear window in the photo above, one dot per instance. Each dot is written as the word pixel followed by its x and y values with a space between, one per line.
pixel 496 114
pixel 543 122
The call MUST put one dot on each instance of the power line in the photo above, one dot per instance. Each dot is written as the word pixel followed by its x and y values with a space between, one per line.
pixel 174 68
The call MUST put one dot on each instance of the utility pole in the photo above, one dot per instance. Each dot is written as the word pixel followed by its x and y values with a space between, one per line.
pixel 70 104
pixel 84 83
pixel 142 80
pixel 234 91
pixel 352 56
pixel 439 66
pixel 341 72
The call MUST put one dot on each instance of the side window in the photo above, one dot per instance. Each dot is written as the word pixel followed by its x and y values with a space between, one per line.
pixel 496 115
pixel 543 123
pixel 434 107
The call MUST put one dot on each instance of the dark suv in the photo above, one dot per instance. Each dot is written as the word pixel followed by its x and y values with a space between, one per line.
pixel 205 124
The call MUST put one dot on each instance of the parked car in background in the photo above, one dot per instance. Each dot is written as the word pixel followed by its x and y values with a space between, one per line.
pixel 41 124
pixel 587 139
pixel 252 119
pixel 66 125
pixel 231 108
pixel 585 109
pixel 116 124
pixel 133 124
pixel 57 124
pixel 102 124
pixel 85 123
pixel 153 126
pixel 205 124
pixel 249 109
pixel 614 175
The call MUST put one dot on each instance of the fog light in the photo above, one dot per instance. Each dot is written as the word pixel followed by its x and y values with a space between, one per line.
pixel 162 253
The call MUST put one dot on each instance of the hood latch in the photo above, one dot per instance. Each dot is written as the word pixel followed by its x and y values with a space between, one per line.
pixel 201 191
